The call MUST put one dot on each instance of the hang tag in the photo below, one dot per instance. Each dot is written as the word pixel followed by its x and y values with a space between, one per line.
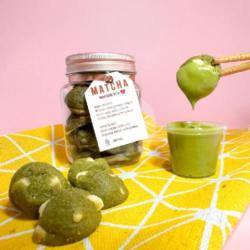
pixel 115 111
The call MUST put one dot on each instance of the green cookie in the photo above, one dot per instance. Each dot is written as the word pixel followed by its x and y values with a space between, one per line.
pixel 33 184
pixel 76 101
pixel 68 217
pixel 75 153
pixel 128 148
pixel 83 139
pixel 96 177
pixel 75 121
pixel 198 77
pixel 129 153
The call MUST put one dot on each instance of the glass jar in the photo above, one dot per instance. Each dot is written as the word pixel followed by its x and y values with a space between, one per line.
pixel 80 138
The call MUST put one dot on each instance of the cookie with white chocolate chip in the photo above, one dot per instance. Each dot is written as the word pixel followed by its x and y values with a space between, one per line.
pixel 74 122
pixel 70 216
pixel 75 100
pixel 96 177
pixel 33 184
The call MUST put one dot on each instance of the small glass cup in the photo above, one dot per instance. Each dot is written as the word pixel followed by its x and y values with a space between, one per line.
pixel 194 147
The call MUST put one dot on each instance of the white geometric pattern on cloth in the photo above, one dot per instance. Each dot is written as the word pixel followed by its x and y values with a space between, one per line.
pixel 139 174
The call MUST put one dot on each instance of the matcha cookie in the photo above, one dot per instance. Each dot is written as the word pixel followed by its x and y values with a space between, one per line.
pixel 83 139
pixel 130 148
pixel 126 153
pixel 74 122
pixel 75 153
pixel 33 184
pixel 96 177
pixel 198 77
pixel 75 100
pixel 70 216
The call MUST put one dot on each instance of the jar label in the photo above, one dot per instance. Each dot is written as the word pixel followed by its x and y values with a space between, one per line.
pixel 115 111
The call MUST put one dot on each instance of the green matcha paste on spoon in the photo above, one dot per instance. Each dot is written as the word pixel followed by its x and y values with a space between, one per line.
pixel 198 77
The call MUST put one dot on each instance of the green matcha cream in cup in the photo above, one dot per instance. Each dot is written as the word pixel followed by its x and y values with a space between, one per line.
pixel 194 147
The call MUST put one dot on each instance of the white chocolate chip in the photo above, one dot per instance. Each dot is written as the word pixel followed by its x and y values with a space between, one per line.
pixel 89 159
pixel 98 201
pixel 139 148
pixel 24 182
pixel 83 173
pixel 84 141
pixel 39 234
pixel 42 207
pixel 54 181
pixel 77 217
pixel 122 191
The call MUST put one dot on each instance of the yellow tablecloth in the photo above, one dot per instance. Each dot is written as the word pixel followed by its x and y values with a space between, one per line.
pixel 163 211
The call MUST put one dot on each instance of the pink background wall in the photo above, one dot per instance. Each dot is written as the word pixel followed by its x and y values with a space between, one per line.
pixel 36 36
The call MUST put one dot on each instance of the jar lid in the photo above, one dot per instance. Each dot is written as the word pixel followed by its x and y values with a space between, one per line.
pixel 91 62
